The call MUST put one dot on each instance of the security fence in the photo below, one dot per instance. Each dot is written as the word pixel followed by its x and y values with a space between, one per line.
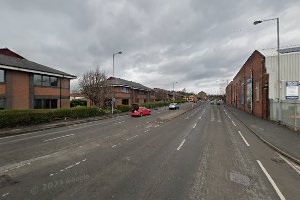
pixel 287 112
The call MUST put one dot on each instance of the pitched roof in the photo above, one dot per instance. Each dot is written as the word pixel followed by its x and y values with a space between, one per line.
pixel 125 83
pixel 21 64
pixel 273 52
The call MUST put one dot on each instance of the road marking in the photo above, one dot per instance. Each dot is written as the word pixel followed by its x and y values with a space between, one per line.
pixel 194 125
pixel 233 123
pixel 200 117
pixel 179 147
pixel 271 181
pixel 295 167
pixel 132 137
pixel 4 195
pixel 156 126
pixel 16 167
pixel 229 117
pixel 244 139
pixel 83 125
pixel 59 137
pixel 113 146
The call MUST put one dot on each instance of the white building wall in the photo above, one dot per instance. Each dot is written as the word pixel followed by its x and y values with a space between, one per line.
pixel 289 71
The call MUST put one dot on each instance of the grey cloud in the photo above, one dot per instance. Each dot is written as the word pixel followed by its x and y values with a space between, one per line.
pixel 193 42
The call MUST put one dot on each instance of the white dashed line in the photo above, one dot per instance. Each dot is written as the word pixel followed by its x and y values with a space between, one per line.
pixel 4 195
pixel 271 181
pixel 156 126
pixel 59 137
pixel 244 139
pixel 233 123
pixel 181 144
pixel 194 125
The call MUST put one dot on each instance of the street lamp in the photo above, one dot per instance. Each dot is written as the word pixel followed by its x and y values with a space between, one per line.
pixel 112 85
pixel 278 61
pixel 174 91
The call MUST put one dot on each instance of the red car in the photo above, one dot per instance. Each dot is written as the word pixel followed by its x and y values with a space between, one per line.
pixel 140 111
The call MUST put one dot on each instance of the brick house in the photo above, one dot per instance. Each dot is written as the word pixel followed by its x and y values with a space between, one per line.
pixel 28 85
pixel 129 92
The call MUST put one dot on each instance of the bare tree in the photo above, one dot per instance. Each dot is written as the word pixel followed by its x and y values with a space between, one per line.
pixel 94 85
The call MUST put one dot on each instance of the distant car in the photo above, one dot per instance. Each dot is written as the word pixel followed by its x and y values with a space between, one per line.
pixel 173 106
pixel 137 111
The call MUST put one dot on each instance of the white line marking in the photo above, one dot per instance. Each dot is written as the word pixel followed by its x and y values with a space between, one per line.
pixel 233 123
pixel 271 181
pixel 199 117
pixel 194 125
pixel 179 147
pixel 113 146
pixel 59 137
pixel 295 167
pixel 229 117
pixel 4 195
pixel 51 174
pixel 132 137
pixel 156 126
pixel 244 139
pixel 93 123
pixel 84 160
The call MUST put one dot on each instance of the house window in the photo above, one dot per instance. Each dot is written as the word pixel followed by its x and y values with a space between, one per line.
pixel 37 79
pixel 125 101
pixel 45 103
pixel 125 90
pixel 2 76
pixel 41 80
pixel 53 81
pixel 2 103
pixel 46 81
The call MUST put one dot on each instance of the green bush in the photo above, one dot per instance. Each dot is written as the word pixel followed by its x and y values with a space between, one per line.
pixel 13 118
pixel 78 102
pixel 123 108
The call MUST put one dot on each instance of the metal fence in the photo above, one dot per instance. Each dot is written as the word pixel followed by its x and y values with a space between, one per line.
pixel 286 112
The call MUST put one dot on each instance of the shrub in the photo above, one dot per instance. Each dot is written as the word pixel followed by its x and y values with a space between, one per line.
pixel 78 102
pixel 123 108
pixel 13 118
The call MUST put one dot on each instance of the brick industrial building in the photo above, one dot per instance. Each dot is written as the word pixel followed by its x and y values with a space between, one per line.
pixel 256 88
pixel 28 85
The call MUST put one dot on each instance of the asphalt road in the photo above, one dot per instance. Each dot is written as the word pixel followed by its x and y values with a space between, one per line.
pixel 203 154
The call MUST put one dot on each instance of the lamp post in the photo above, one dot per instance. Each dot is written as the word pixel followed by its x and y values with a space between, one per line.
pixel 278 63
pixel 112 85
pixel 174 91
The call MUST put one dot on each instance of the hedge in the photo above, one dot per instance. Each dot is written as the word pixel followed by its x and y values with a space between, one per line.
pixel 78 102
pixel 123 108
pixel 13 118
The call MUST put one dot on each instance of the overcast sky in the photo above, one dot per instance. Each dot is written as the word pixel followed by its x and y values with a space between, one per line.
pixel 199 44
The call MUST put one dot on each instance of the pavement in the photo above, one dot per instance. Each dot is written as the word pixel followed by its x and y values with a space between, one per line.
pixel 286 140
pixel 204 153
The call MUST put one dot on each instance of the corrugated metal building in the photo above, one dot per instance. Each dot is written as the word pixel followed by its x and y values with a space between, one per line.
pixel 255 87
pixel 289 69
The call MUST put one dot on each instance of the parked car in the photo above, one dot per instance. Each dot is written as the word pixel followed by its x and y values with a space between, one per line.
pixel 137 111
pixel 173 106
